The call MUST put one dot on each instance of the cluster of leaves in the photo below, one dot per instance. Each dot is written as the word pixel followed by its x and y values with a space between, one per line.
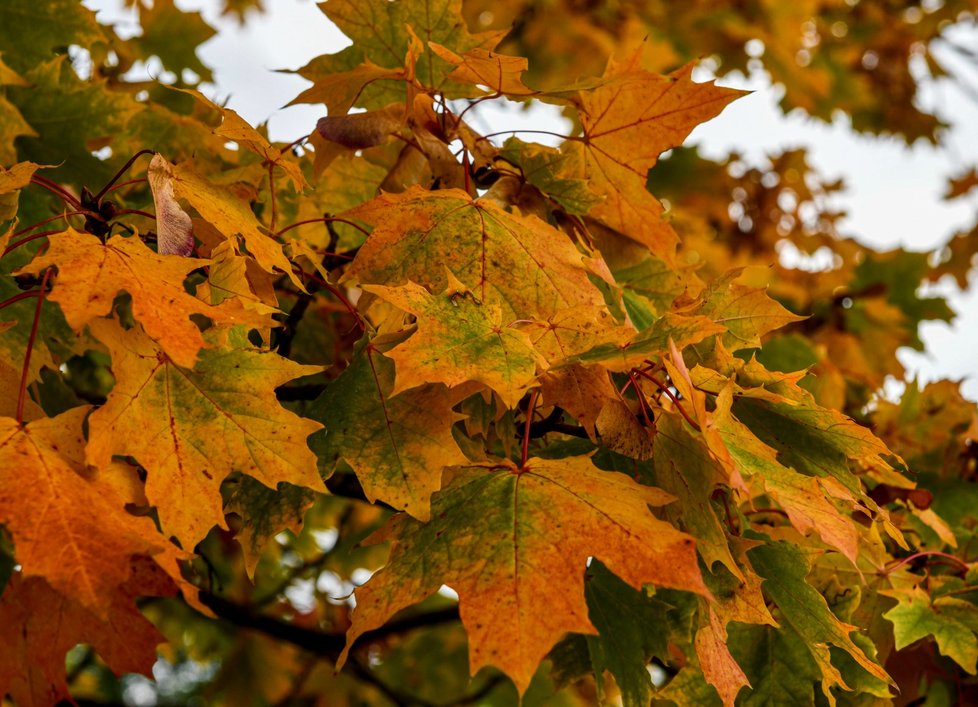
pixel 239 378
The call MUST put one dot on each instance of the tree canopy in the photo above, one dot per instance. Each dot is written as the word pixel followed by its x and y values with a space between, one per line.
pixel 406 413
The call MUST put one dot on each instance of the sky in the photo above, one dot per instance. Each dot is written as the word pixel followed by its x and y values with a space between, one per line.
pixel 893 195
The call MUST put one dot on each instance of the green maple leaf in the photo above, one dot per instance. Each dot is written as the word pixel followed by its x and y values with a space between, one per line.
pixel 68 116
pixel 173 36
pixel 33 32
pixel 952 623
pixel 459 340
pixel 379 30
pixel 398 445
pixel 784 569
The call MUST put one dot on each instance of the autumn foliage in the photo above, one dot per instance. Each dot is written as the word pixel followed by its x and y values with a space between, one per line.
pixel 578 386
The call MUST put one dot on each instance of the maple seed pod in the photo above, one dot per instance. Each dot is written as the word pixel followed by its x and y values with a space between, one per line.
pixel 358 131
pixel 174 229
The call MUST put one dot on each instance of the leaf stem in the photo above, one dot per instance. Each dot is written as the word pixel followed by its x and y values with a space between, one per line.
pixel 55 189
pixel 22 393
pixel 926 553
pixel 526 431
pixel 127 183
pixel 98 197
pixel 669 394
pixel 325 219
pixel 49 220
pixel 27 239
pixel 17 298
pixel 137 212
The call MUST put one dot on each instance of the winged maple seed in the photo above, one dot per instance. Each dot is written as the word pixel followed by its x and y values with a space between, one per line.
pixel 609 432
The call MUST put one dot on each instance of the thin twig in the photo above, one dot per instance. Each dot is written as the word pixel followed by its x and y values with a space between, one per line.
pixel 98 197
pixel 22 393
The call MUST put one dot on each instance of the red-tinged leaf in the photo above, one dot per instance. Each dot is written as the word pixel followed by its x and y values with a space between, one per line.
pixel 580 390
pixel 68 527
pixel 174 229
pixel 418 234
pixel 39 625
pixel 191 428
pixel 91 274
pixel 459 340
pixel 535 527
pixel 719 667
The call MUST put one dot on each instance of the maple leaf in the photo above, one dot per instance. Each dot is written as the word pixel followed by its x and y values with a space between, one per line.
pixel 12 124
pixel 12 180
pixel 173 420
pixel 35 32
pixel 554 172
pixel 398 445
pixel 234 127
pixel 487 70
pixel 264 513
pixel 746 313
pixel 682 330
pixel 459 340
pixel 39 625
pixel 719 667
pixel 784 568
pixel 418 234
pixel 382 33
pixel 580 390
pixel 777 662
pixel 631 626
pixel 68 528
pixel 687 469
pixel 952 623
pixel 91 274
pixel 537 526
pixel 628 120
pixel 67 113
pixel 802 497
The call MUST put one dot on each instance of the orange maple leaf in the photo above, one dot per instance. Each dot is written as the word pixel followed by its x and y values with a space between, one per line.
pixel 91 274
pixel 191 428
pixel 514 544
pixel 68 527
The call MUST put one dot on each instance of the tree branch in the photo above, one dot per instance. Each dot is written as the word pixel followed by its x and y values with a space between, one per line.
pixel 311 640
